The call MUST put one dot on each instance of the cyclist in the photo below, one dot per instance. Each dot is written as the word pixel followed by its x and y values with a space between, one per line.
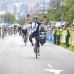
pixel 27 19
pixel 15 29
pixel 19 29
pixel 4 30
pixel 25 33
pixel 27 22
pixel 35 31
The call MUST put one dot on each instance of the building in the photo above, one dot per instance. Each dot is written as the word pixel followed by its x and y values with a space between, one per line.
pixel 40 8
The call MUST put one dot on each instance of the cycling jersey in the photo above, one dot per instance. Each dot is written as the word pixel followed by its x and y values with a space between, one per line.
pixel 24 31
pixel 35 26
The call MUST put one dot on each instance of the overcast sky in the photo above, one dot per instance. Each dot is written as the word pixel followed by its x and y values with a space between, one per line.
pixel 25 1
pixel 34 1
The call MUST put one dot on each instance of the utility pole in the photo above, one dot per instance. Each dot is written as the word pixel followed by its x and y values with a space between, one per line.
pixel 62 5
pixel 50 12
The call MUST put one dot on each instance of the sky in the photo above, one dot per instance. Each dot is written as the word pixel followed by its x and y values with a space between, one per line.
pixel 34 1
pixel 25 1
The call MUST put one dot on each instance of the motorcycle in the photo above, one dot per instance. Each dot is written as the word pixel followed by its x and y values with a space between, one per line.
pixel 42 36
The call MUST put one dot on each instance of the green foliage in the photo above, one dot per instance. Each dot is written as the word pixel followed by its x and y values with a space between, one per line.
pixel 9 18
pixel 71 48
pixel 47 20
pixel 55 14
pixel 40 18
pixel 21 21
pixel 69 10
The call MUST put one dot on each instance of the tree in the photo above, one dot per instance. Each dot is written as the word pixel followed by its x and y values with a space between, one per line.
pixel 21 21
pixel 9 18
pixel 69 10
pixel 54 14
pixel 40 18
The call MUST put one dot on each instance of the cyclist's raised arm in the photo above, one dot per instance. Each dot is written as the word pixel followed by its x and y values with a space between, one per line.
pixel 27 19
pixel 44 21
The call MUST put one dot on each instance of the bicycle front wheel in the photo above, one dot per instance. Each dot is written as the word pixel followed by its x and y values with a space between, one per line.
pixel 25 39
pixel 36 50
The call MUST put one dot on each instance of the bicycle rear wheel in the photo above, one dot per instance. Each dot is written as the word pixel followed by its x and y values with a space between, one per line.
pixel 25 43
pixel 36 53
pixel 25 40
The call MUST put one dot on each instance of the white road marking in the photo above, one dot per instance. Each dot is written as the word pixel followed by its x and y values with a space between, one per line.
pixel 50 66
pixel 55 71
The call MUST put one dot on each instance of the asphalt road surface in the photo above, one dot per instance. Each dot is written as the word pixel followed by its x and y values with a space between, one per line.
pixel 16 58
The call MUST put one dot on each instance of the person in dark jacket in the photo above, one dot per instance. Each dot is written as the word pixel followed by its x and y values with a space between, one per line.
pixel 67 37
pixel 54 35
pixel 58 34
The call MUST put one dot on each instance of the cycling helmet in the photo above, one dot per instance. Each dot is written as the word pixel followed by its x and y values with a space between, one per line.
pixel 35 17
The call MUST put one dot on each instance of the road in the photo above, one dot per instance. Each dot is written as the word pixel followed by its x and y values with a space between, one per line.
pixel 16 58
